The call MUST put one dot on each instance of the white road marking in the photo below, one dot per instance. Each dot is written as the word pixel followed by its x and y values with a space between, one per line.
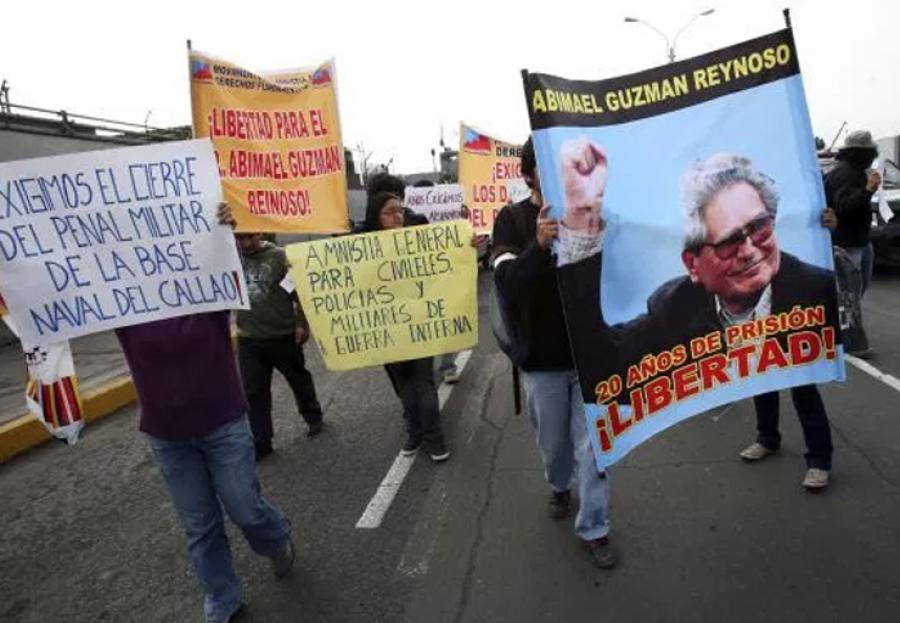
pixel 387 490
pixel 891 381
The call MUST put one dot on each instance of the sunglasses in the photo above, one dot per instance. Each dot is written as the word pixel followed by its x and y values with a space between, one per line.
pixel 759 230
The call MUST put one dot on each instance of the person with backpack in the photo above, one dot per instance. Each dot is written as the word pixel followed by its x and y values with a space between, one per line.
pixel 525 283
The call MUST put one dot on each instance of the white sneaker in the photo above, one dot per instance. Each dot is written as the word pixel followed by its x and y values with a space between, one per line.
pixel 816 478
pixel 755 451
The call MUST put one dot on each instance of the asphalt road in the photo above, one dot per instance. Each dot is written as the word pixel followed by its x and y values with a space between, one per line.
pixel 88 533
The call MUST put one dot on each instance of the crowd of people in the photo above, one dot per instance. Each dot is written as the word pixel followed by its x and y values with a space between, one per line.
pixel 208 419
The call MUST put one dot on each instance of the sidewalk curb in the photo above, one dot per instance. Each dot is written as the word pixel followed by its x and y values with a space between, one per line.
pixel 26 432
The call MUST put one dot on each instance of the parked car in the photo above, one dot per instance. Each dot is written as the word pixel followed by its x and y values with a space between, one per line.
pixel 885 234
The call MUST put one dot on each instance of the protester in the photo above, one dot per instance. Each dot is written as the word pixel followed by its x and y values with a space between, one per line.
pixel 385 182
pixel 849 187
pixel 193 411
pixel 271 335
pixel 525 277
pixel 736 273
pixel 413 380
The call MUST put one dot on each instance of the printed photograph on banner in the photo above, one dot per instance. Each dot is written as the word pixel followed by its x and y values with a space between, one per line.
pixel 391 295
pixel 490 174
pixel 98 240
pixel 693 265
pixel 439 203
pixel 277 137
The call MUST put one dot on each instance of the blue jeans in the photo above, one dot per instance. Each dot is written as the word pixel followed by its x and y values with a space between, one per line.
pixel 555 408
pixel 201 473
pixel 864 260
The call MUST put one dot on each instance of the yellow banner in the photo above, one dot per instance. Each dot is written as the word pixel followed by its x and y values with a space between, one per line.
pixel 389 296
pixel 491 175
pixel 277 138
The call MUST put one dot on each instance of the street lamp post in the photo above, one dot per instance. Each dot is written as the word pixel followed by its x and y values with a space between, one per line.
pixel 670 46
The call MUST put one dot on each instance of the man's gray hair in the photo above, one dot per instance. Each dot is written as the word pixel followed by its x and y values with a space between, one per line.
pixel 705 178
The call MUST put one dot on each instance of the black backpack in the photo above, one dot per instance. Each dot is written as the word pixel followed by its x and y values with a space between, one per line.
pixel 504 330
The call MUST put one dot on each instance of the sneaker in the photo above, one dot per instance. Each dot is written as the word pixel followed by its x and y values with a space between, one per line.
pixel 283 561
pixel 450 376
pixel 558 507
pixel 314 429
pixel 756 451
pixel 412 445
pixel 816 479
pixel 601 553
pixel 437 450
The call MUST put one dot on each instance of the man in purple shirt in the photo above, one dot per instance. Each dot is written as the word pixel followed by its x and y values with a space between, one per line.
pixel 194 414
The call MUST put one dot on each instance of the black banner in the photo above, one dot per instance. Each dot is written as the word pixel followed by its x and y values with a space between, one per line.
pixel 553 101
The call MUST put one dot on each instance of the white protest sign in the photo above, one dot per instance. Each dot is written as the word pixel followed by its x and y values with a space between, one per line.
pixel 105 239
pixel 438 203
pixel 517 190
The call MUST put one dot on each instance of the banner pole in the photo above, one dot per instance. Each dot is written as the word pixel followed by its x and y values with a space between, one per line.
pixel 191 90
pixel 787 17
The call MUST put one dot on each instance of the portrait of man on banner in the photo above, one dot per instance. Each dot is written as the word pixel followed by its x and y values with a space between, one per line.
pixel 735 271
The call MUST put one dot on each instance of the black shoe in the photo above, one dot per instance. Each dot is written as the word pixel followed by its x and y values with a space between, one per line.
pixel 238 614
pixel 263 450
pixel 601 553
pixel 412 445
pixel 437 450
pixel 558 507
pixel 314 429
pixel 283 561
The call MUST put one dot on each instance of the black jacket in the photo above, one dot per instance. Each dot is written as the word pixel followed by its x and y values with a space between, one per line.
pixel 678 311
pixel 845 191
pixel 528 286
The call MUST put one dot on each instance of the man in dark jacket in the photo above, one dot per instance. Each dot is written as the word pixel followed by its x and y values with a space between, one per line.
pixel 525 277
pixel 736 274
pixel 849 187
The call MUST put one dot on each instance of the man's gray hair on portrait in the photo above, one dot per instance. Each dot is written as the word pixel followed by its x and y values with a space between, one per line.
pixel 705 178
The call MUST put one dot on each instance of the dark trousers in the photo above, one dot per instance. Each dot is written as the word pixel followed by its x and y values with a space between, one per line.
pixel 257 359
pixel 813 419
pixel 414 383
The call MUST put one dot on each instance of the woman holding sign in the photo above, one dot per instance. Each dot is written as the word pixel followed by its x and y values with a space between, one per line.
pixel 413 380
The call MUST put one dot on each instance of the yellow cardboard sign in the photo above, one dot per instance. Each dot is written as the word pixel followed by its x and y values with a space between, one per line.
pixel 490 173
pixel 389 296
pixel 277 138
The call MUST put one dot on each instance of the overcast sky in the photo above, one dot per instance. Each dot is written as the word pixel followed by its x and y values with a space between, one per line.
pixel 405 69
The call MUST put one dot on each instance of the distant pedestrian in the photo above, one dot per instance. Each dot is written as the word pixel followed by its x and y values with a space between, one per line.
pixel 271 335
pixel 525 277
pixel 413 380
pixel 193 411
pixel 849 187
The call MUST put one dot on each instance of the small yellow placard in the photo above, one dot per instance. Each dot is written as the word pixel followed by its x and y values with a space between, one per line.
pixel 389 296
